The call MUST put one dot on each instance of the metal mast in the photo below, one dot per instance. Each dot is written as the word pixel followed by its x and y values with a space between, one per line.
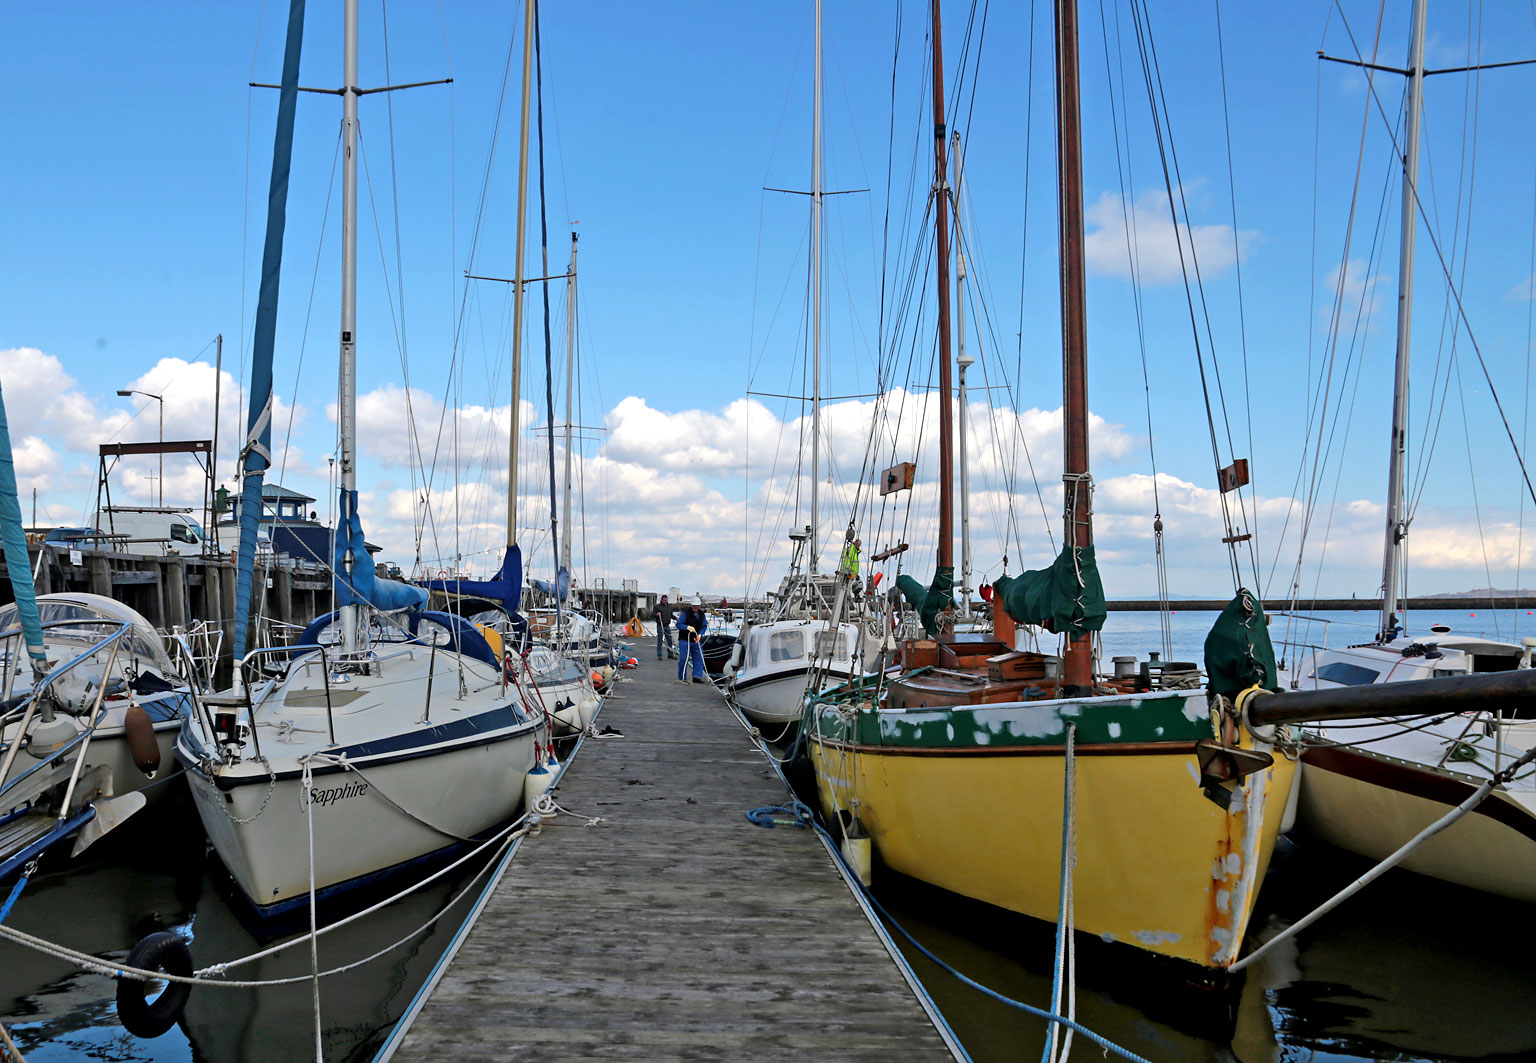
pixel 964 362
pixel 346 406
pixel 518 283
pixel 815 543
pixel 1078 515
pixel 570 386
pixel 946 558
pixel 1397 520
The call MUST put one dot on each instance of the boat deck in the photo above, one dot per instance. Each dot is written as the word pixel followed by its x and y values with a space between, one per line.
pixel 675 929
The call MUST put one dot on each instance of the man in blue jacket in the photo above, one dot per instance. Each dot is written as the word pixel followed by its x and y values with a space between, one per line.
pixel 691 625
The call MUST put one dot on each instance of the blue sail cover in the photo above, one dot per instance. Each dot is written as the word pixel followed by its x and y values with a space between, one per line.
pixel 505 587
pixel 14 540
pixel 257 455
pixel 364 587
pixel 560 589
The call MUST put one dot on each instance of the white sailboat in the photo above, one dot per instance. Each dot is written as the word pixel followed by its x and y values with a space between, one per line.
pixel 1370 789
pixel 404 740
pixel 803 641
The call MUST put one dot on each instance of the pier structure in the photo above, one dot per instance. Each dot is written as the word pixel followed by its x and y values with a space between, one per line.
pixel 673 928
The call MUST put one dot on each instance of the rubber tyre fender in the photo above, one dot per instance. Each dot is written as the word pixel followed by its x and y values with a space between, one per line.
pixel 163 951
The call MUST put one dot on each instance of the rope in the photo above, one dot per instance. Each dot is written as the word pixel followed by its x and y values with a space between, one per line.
pixel 11 1051
pixel 771 816
pixel 1386 865
pixel 1065 967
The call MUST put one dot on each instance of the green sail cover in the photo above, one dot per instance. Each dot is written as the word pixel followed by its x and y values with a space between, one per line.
pixel 1238 652
pixel 1066 598
pixel 932 600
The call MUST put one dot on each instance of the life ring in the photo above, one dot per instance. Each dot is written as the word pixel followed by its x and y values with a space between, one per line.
pixel 634 629
pixel 163 951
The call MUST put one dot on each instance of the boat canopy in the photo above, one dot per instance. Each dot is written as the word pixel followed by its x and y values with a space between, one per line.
pixel 1066 598
pixel 930 601
pixel 142 643
pixel 1238 652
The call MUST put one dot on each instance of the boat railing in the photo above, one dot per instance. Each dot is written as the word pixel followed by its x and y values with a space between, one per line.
pixel 304 662
pixel 80 742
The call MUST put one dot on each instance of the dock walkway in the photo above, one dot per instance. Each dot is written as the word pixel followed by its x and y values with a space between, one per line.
pixel 674 929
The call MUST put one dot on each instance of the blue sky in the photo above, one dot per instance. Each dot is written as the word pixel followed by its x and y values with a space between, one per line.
pixel 138 165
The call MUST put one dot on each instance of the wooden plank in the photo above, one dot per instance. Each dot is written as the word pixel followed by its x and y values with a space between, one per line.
pixel 674 929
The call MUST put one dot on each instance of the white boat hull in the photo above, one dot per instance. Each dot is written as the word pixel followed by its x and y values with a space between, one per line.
pixel 1373 805
pixel 392 810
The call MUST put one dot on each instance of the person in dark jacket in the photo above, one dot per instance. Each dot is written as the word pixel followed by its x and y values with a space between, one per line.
pixel 691 626
pixel 665 615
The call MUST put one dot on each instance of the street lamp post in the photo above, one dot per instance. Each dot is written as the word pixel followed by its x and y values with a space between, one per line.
pixel 161 400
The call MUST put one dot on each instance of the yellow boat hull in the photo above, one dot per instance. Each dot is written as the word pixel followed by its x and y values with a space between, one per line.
pixel 1160 865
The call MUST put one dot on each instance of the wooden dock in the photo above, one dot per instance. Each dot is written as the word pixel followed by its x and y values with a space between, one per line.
pixel 674 929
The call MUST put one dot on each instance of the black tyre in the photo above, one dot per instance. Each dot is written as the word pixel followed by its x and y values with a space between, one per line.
pixel 139 1015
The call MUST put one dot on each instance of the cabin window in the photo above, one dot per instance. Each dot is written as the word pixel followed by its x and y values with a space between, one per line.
pixel 1446 673
pixel 831 646
pixel 786 645
pixel 1349 675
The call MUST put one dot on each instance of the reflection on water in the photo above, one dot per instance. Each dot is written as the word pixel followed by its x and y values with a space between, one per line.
pixel 158 879
pixel 1408 969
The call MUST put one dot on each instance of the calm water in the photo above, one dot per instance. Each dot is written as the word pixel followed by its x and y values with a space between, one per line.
pixel 158 879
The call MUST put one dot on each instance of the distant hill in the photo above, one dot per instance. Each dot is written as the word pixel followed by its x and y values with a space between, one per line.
pixel 1484 592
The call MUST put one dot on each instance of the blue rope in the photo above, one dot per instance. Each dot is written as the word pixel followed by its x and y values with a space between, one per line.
pixel 5 909
pixel 803 814
pixel 767 816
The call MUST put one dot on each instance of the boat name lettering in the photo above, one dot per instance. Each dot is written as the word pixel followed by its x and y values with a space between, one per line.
pixel 338 793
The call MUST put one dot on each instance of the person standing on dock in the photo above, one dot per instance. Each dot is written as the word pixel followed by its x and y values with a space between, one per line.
pixel 664 617
pixel 691 625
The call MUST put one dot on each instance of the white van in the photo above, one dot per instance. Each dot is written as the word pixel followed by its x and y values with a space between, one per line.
pixel 151 530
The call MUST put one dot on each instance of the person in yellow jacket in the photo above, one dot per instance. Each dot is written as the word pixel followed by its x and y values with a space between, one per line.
pixel 849 564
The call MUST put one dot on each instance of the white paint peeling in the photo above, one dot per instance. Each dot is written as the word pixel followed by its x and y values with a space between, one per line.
pixel 1107 936
pixel 1217 871
pixel 1158 731
pixel 1194 772
pixel 1223 901
pixel 1221 935
pixel 1114 729
pixel 1234 864
pixel 1194 709
pixel 949 730
pixel 1152 938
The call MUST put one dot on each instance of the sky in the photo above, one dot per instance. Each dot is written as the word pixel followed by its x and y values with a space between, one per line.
pixel 676 142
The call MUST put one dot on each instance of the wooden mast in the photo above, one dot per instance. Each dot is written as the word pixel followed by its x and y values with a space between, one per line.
pixel 1078 531
pixel 941 255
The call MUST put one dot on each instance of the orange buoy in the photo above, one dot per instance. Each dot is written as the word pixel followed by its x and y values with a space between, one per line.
pixel 141 739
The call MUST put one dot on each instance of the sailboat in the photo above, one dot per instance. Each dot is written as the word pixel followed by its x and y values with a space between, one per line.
pixel 402 739
pixel 959 770
pixel 1371 788
pixel 803 643
pixel 72 765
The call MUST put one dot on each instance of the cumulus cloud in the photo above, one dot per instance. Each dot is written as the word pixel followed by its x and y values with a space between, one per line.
pixel 1139 239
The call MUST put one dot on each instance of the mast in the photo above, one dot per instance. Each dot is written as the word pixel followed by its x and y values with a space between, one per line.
pixel 570 386
pixel 518 283
pixel 816 197
pixel 963 361
pixel 946 558
pixel 1397 527
pixel 1078 518
pixel 346 406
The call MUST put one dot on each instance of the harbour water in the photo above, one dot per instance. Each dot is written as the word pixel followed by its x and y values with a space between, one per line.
pixel 1409 969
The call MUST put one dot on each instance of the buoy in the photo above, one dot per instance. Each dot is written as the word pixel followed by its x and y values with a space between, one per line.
pixel 858 851
pixel 630 662
pixel 536 784
pixel 163 951
pixel 140 730
pixel 634 629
